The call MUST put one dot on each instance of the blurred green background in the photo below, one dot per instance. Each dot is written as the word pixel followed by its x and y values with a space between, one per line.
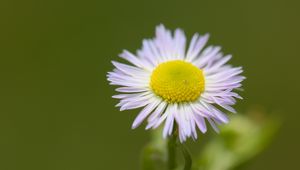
pixel 56 110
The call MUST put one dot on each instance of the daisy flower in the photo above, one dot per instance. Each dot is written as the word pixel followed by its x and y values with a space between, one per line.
pixel 177 85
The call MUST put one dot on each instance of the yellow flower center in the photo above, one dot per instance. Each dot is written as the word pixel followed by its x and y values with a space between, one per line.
pixel 177 81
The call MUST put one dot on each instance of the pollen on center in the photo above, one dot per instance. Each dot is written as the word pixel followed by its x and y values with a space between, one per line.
pixel 177 81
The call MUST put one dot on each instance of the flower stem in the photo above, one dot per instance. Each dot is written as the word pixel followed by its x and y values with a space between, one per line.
pixel 172 152
pixel 187 158
pixel 172 146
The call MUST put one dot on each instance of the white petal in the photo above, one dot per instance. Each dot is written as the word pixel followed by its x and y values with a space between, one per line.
pixel 196 46
pixel 219 63
pixel 133 103
pixel 154 117
pixel 208 55
pixel 130 70
pixel 218 114
pixel 164 115
pixel 163 41
pixel 131 58
pixel 144 113
pixel 123 96
pixel 131 89
pixel 213 125
pixel 168 125
pixel 179 44
pixel 200 123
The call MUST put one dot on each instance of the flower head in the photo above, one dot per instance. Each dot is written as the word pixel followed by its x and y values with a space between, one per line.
pixel 174 85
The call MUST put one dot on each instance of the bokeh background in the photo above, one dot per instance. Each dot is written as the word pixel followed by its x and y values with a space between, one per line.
pixel 56 110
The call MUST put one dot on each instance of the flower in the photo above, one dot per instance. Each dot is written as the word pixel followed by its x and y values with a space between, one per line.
pixel 175 85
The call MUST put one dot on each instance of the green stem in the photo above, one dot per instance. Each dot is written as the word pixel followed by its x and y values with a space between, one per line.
pixel 172 144
pixel 187 158
pixel 172 152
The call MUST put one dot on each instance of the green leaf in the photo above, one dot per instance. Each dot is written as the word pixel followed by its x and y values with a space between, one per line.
pixel 239 141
